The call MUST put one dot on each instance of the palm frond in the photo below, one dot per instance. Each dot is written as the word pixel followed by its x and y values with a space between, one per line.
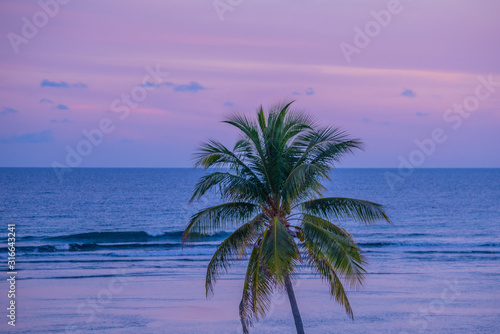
pixel 246 305
pixel 219 217
pixel 342 208
pixel 279 252
pixel 327 142
pixel 232 247
pixel 337 246
pixel 257 288
pixel 333 152
pixel 251 132
pixel 317 260
pixel 215 154
pixel 230 187
pixel 330 227
pixel 304 182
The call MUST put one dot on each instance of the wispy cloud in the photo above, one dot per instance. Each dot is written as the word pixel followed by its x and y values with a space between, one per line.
pixel 61 120
pixel 408 93
pixel 148 84
pixel 57 106
pixel 32 137
pixel 193 86
pixel 61 84
pixel 6 110
pixel 418 113
pixel 366 120
pixel 308 91
pixel 228 104
pixel 62 107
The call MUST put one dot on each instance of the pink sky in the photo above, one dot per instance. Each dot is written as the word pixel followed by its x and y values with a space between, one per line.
pixel 393 91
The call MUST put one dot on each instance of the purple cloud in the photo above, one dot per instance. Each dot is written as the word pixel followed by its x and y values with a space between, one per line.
pixel 61 84
pixel 62 107
pixel 32 137
pixel 408 93
pixel 7 110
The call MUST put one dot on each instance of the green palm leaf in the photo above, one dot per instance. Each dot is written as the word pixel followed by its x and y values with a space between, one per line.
pixel 234 246
pixel 232 187
pixel 219 217
pixel 336 245
pixel 342 208
pixel 257 290
pixel 320 263
pixel 279 252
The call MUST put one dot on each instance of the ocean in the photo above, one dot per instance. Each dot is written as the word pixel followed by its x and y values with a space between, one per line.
pixel 101 252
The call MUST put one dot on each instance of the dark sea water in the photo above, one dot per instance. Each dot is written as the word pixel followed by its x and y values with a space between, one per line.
pixel 436 269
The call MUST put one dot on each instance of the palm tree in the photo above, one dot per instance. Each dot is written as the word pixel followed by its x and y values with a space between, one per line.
pixel 270 187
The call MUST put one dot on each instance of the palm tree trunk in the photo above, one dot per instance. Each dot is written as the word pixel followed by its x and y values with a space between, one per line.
pixel 295 308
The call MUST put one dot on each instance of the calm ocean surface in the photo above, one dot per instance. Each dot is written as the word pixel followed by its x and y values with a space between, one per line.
pixel 435 270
